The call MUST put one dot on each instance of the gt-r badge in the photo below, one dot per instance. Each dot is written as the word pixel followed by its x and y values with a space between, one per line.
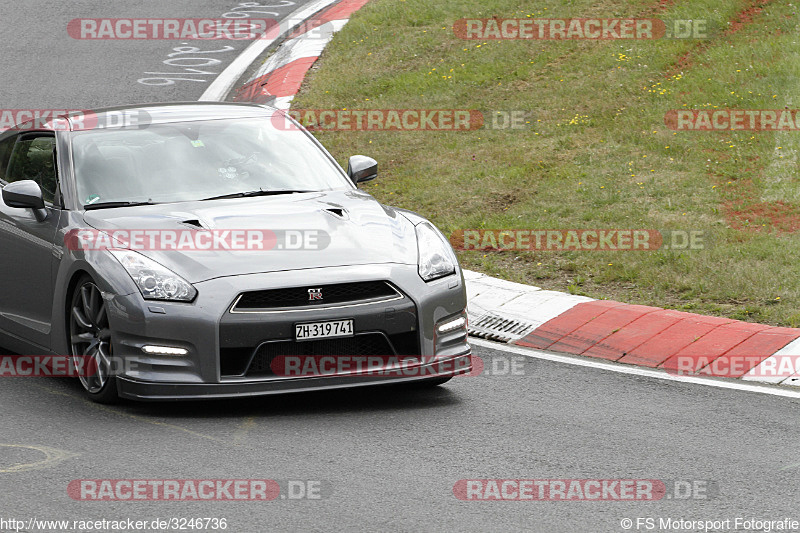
pixel 314 294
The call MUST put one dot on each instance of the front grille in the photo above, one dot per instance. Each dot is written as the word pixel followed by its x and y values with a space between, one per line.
pixel 359 345
pixel 297 297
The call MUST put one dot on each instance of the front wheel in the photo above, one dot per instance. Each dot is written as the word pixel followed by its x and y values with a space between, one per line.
pixel 90 342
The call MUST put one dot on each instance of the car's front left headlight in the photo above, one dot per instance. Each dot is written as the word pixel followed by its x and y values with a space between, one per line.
pixel 436 258
pixel 155 281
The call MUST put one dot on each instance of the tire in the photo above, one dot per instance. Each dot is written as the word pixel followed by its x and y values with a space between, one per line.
pixel 89 341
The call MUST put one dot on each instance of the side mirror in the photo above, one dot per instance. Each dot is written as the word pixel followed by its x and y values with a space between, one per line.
pixel 362 168
pixel 25 194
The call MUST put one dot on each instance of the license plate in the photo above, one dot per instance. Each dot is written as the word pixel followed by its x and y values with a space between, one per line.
pixel 321 330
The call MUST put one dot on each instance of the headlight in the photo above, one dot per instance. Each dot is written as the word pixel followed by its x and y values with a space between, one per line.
pixel 155 282
pixel 436 257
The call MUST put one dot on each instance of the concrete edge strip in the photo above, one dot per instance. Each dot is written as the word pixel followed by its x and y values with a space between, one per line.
pixel 278 80
pixel 760 372
pixel 309 44
pixel 222 85
pixel 326 16
pixel 508 311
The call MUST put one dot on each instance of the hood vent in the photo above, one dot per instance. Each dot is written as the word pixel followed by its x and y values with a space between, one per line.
pixel 338 212
pixel 195 223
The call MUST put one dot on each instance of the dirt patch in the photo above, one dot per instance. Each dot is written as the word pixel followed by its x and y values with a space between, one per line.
pixel 744 17
pixel 502 201
pixel 741 212
pixel 779 216
pixel 659 7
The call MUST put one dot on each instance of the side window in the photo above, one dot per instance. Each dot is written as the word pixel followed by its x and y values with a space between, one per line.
pixel 33 158
pixel 6 147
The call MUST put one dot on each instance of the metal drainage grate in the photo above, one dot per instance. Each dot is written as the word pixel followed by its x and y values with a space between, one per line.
pixel 496 328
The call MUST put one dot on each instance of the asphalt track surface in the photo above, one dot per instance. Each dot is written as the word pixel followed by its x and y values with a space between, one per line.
pixel 387 458
pixel 43 67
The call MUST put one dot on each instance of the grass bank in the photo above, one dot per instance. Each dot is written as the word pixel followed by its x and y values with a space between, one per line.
pixel 595 152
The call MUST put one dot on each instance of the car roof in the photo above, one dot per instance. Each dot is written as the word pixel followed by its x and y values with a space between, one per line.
pixel 162 113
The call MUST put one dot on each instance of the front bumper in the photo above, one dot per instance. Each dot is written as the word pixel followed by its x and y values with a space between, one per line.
pixel 150 391
pixel 209 332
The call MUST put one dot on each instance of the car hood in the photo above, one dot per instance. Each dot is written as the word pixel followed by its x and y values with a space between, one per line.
pixel 351 226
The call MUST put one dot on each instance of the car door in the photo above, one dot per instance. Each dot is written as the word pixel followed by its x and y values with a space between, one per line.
pixel 27 253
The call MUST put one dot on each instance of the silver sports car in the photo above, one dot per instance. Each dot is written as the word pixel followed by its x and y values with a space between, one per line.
pixel 216 250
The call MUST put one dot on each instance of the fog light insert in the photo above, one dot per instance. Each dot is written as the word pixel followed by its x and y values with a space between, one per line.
pixel 164 350
pixel 456 323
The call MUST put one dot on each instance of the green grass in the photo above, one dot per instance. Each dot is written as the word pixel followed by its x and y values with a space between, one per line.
pixel 596 153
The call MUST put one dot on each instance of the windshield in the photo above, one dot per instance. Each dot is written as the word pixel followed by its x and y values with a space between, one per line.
pixel 197 160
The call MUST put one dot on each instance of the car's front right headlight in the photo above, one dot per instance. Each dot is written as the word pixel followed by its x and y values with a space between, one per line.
pixel 436 258
pixel 155 281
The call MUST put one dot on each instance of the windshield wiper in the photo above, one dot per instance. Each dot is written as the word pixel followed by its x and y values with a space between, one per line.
pixel 259 192
pixel 108 205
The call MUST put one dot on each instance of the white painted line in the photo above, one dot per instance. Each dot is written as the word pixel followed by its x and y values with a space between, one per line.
pixel 52 456
pixel 635 371
pixel 220 87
